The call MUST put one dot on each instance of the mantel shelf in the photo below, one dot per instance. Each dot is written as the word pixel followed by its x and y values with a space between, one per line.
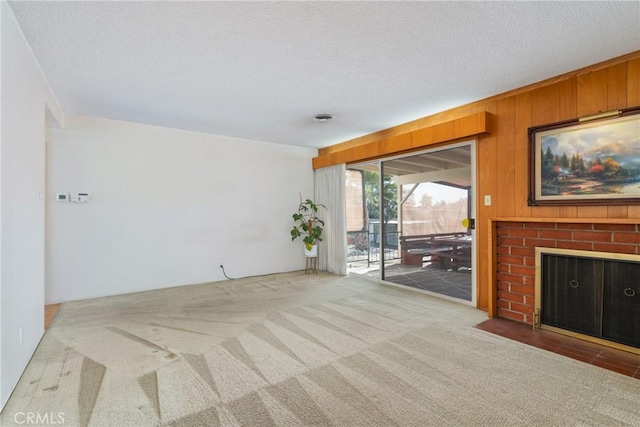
pixel 568 220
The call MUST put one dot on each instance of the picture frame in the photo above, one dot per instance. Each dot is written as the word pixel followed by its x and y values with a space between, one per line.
pixel 594 160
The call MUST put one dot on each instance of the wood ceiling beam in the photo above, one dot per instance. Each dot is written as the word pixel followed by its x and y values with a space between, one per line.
pixel 454 130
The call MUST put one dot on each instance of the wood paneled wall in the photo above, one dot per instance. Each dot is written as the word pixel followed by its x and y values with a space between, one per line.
pixel 502 153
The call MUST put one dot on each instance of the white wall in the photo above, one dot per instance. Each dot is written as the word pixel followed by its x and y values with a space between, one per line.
pixel 167 207
pixel 25 96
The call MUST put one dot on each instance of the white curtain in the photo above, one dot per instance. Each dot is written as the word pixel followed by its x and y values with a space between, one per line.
pixel 330 191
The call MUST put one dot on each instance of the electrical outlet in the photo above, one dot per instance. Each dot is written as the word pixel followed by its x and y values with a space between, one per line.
pixel 487 200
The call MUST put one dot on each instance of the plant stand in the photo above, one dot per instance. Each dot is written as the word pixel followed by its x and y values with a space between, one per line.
pixel 311 266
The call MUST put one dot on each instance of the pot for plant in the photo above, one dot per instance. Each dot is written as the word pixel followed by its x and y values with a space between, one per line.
pixel 310 253
pixel 308 226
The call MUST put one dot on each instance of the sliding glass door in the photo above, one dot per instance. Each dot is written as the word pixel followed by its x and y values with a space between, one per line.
pixel 415 227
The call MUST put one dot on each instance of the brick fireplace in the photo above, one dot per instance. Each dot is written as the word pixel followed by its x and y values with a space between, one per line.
pixel 515 251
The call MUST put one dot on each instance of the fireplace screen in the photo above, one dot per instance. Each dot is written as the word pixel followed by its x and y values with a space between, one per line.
pixel 591 294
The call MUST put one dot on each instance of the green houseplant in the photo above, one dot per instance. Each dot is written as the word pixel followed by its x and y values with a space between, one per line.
pixel 307 224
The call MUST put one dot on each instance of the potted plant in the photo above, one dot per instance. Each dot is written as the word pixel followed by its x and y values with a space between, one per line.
pixel 308 226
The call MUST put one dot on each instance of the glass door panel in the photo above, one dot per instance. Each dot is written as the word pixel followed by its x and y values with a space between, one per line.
pixel 425 199
pixel 363 212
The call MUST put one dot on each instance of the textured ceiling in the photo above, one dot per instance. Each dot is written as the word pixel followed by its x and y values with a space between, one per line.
pixel 262 70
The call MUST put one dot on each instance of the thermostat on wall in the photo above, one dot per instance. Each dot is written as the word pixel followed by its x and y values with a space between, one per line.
pixel 62 197
pixel 79 197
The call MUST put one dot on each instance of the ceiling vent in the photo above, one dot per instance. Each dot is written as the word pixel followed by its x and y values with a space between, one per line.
pixel 322 117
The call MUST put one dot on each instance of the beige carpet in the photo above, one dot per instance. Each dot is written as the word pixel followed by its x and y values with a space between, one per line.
pixel 295 350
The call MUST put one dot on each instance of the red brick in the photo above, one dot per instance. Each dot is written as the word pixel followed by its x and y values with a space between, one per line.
pixel 580 246
pixel 502 232
pixel 510 315
pixel 529 301
pixel 626 238
pixel 524 251
pixel 529 281
pixel 511 278
pixel 523 290
pixel 503 286
pixel 615 227
pixel 592 236
pixel 521 308
pixel 555 234
pixel 617 248
pixel 504 304
pixel 503 250
pixel 529 261
pixel 510 296
pixel 544 243
pixel 539 225
pixel 525 232
pixel 525 271
pixel 581 226
pixel 509 241
pixel 515 260
pixel 505 268
pixel 505 224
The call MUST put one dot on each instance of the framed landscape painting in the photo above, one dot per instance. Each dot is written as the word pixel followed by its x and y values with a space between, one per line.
pixel 586 162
